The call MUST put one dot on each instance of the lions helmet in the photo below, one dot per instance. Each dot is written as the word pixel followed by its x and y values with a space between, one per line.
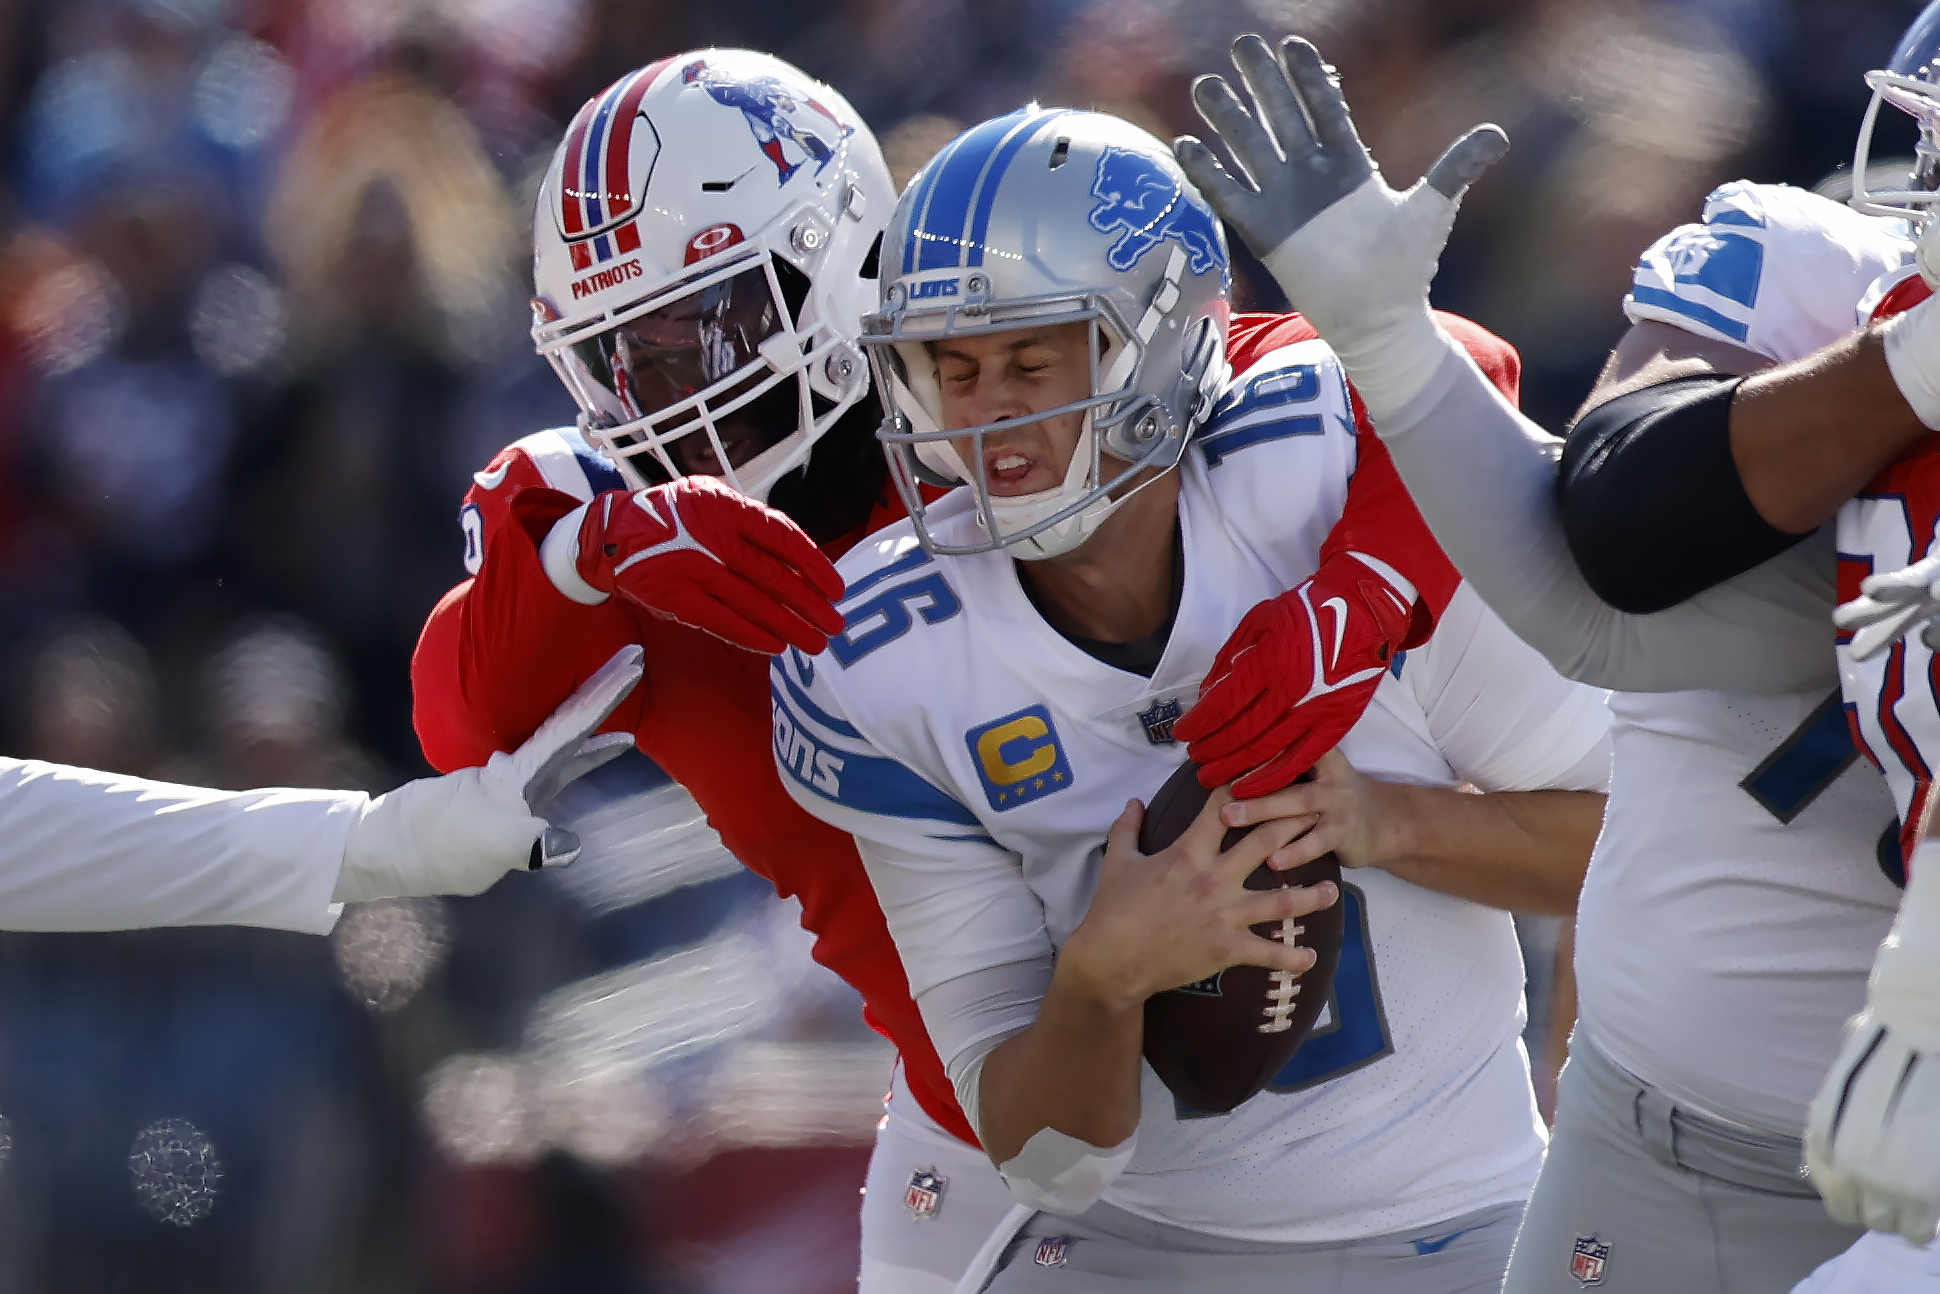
pixel 1910 81
pixel 699 258
pixel 1051 216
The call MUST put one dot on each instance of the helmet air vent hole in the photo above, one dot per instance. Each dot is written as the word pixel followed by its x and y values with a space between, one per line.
pixel 872 263
pixel 1060 151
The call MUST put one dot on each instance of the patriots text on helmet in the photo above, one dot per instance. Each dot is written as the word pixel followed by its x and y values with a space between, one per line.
pixel 606 278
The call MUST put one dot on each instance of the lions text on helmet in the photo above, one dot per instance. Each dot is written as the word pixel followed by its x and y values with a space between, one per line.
pixel 1045 364
pixel 699 249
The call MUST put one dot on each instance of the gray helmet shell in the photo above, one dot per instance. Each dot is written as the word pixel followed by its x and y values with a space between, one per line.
pixel 1040 217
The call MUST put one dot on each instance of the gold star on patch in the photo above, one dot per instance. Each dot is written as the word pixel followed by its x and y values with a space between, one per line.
pixel 1039 783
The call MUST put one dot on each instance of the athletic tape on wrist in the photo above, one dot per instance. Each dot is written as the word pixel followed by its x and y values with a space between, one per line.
pixel 1913 356
pixel 1905 988
pixel 559 554
pixel 1061 1174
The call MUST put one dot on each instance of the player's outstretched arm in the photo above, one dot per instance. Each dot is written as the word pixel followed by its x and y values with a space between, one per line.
pixel 85 850
pixel 1873 1127
pixel 1357 258
pixel 1524 851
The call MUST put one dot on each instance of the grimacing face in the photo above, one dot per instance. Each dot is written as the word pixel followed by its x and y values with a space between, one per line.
pixel 1013 375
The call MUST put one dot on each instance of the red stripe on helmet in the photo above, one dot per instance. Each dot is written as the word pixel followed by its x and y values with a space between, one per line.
pixel 572 207
pixel 619 139
pixel 627 238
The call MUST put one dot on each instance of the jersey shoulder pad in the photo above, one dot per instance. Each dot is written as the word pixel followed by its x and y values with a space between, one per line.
pixel 1287 393
pixel 1775 269
pixel 893 586
pixel 556 459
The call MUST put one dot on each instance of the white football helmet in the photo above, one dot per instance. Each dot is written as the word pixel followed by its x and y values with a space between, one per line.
pixel 699 253
pixel 1910 81
pixel 1050 216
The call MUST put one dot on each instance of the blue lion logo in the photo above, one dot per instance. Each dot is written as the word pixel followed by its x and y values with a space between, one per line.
pixel 1137 196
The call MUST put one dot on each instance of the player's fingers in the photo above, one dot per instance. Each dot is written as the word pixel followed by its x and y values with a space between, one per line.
pixel 1202 838
pixel 780 538
pixel 1255 950
pixel 756 604
pixel 1283 802
pixel 1878 1212
pixel 792 587
pixel 1209 175
pixel 1465 160
pixel 1286 902
pixel 1283 770
pixel 710 615
pixel 1246 139
pixel 1320 94
pixel 1257 845
pixel 1121 838
pixel 1328 835
pixel 1252 722
pixel 1280 110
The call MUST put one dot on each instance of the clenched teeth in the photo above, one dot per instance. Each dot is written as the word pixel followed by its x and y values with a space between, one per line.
pixel 1009 461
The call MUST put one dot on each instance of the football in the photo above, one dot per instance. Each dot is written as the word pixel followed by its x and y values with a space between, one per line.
pixel 1219 1041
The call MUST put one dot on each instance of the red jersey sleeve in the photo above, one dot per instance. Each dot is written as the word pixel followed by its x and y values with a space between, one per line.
pixel 503 649
pixel 1379 518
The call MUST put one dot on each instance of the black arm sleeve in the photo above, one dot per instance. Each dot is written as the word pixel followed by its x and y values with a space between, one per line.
pixel 1650 498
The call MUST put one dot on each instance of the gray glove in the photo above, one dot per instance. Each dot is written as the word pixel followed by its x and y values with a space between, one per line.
pixel 1352 254
pixel 459 833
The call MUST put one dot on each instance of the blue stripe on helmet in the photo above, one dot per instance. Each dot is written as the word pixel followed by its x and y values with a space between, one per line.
pixel 946 216
pixel 987 196
pixel 595 167
pixel 917 207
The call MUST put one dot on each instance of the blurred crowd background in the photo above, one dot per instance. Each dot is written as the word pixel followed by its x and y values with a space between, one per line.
pixel 263 266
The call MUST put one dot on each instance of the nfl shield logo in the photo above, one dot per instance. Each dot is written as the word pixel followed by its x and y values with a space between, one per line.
pixel 1159 719
pixel 923 1197
pixel 1050 1252
pixel 1589 1260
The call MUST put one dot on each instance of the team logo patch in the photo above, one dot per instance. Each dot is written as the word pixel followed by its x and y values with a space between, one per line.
pixel 1052 1251
pixel 1149 205
pixel 923 1197
pixel 1019 758
pixel 1158 721
pixel 774 116
pixel 1589 1260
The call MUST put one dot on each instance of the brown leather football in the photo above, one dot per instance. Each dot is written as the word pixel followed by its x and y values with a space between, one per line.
pixel 1217 1042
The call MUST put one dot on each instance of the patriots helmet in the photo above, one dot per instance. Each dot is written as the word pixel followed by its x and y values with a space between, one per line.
pixel 699 257
pixel 1910 81
pixel 1051 216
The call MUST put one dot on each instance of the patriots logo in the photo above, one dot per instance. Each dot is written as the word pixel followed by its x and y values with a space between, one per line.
pixel 773 115
pixel 1138 197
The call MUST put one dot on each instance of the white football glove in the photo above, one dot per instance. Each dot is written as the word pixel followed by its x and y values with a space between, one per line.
pixel 1352 254
pixel 1872 1140
pixel 1890 606
pixel 458 834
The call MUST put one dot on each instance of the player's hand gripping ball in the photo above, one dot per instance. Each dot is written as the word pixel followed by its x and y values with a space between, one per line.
pixel 1218 1042
pixel 713 559
pixel 1296 674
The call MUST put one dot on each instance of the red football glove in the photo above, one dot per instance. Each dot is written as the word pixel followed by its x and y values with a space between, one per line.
pixel 710 557
pixel 1295 676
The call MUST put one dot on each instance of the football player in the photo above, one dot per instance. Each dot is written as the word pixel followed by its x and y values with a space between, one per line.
pixel 1053 336
pixel 701 270
pixel 1678 559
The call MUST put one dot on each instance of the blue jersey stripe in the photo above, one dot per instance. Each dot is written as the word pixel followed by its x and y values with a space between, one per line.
pixel 865 783
pixel 1690 310
pixel 814 712
pixel 903 565
pixel 601 475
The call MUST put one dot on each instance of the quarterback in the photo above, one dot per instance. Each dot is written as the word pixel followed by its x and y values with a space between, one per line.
pixel 1679 558
pixel 1054 337
pixel 705 246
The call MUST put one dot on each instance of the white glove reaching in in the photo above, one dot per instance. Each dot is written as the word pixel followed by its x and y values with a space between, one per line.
pixel 1891 605
pixel 1872 1140
pixel 1352 254
pixel 458 834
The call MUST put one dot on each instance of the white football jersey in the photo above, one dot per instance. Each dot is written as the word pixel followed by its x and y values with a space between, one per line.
pixel 979 757
pixel 1734 904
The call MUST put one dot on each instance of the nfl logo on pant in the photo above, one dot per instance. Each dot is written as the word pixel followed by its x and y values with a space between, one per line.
pixel 1051 1252
pixel 923 1197
pixel 1589 1260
